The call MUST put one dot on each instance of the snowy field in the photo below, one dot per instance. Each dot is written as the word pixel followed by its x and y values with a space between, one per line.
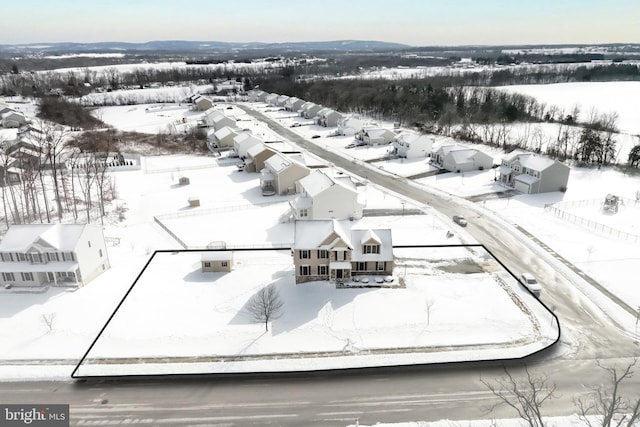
pixel 606 97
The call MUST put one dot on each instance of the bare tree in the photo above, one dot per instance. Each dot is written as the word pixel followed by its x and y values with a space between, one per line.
pixel 428 306
pixel 48 319
pixel 265 305
pixel 525 396
pixel 605 407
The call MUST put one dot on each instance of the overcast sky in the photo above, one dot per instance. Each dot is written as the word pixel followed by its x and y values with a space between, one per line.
pixel 413 22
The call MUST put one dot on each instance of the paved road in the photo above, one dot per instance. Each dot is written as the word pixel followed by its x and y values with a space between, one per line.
pixel 369 396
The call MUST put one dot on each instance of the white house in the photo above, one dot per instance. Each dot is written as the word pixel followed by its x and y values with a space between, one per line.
pixel 325 197
pixel 209 116
pixel 256 95
pixel 222 120
pixel 460 158
pixel 272 99
pixel 244 141
pixel 374 135
pixel 224 137
pixel 282 100
pixel 352 124
pixel 327 117
pixel 280 175
pixel 412 145
pixel 52 254
pixel 532 173
pixel 309 110
pixel 293 104
pixel 203 103
pixel 332 250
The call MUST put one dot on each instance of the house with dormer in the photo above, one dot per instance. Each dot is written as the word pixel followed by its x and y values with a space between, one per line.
pixel 531 173
pixel 280 174
pixel 322 196
pixel 331 250
pixel 52 254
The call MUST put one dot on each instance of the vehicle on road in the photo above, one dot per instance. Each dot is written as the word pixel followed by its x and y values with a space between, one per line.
pixel 460 220
pixel 315 136
pixel 530 282
pixel 350 146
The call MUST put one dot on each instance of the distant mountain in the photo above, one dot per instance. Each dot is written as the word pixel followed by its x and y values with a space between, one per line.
pixel 201 46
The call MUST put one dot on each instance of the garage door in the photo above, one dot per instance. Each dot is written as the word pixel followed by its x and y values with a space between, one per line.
pixel 521 186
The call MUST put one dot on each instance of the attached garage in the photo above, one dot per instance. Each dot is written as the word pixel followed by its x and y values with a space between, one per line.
pixel 526 183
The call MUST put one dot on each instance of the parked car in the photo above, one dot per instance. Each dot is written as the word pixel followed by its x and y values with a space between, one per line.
pixel 530 282
pixel 460 220
pixel 295 125
pixel 315 136
pixel 350 146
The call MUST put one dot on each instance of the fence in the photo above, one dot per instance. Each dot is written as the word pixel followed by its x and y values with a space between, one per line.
pixel 591 202
pixel 165 228
pixel 619 234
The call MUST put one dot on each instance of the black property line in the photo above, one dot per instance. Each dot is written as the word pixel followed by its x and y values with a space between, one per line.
pixel 230 248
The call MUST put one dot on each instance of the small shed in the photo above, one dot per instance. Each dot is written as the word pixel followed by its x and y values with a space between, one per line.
pixel 217 261
pixel 194 201
pixel 184 180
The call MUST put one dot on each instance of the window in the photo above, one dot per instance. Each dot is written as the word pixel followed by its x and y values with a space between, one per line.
pixel 339 255
pixel 68 256
pixel 100 252
pixel 322 270
pixel 380 265
pixel 27 277
pixel 6 257
pixel 305 254
pixel 362 266
pixel 323 254
pixel 207 265
pixel 35 257
pixel 371 249
pixel 8 277
pixel 52 256
pixel 89 243
pixel 22 257
pixel 224 263
pixel 303 213
pixel 305 270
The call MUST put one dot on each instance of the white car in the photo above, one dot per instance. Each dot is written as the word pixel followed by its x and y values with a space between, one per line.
pixel 530 282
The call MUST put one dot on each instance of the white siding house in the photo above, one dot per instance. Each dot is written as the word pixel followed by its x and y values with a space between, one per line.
pixel 531 173
pixel 325 197
pixel 460 158
pixel 52 254
pixel 293 104
pixel 224 136
pixel 373 135
pixel 13 119
pixel 412 145
pixel 244 141
pixel 352 124
pixel 280 175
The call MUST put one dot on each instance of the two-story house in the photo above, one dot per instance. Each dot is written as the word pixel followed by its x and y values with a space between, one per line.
pixel 332 250
pixel 412 145
pixel 280 174
pixel 531 173
pixel 326 197
pixel 52 254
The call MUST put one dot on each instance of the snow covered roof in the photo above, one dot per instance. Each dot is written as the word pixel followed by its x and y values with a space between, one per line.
pixel 315 183
pixel 220 117
pixel 224 132
pixel 257 149
pixel 383 236
pixel 463 155
pixel 217 256
pixel 20 238
pixel 535 162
